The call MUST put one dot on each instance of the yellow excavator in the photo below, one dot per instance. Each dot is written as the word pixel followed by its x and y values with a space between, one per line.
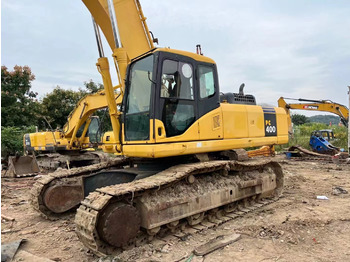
pixel 71 147
pixel 318 143
pixel 180 142
pixel 317 105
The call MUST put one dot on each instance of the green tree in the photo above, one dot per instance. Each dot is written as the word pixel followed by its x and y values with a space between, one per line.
pixel 57 105
pixel 92 87
pixel 19 106
pixel 12 139
pixel 326 119
pixel 299 119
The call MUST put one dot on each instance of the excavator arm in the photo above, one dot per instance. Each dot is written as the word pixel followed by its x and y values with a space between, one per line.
pixel 129 17
pixel 66 141
pixel 132 40
pixel 82 112
pixel 68 138
pixel 317 105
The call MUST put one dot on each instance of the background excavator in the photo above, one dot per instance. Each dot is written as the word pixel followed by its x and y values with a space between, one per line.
pixel 318 142
pixel 70 147
pixel 317 105
pixel 181 147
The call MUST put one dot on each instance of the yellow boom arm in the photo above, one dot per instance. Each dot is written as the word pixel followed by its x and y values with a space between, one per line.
pixel 81 113
pixel 134 40
pixel 134 35
pixel 67 139
pixel 317 105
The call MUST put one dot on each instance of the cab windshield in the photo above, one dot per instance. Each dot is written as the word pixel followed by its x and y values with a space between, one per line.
pixel 138 99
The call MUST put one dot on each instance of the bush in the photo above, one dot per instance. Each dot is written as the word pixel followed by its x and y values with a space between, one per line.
pixel 302 133
pixel 12 139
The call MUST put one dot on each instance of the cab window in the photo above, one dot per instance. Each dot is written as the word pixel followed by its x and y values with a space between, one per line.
pixel 177 80
pixel 206 81
pixel 177 96
pixel 138 100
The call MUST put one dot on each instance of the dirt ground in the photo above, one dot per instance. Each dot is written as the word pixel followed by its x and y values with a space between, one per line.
pixel 297 227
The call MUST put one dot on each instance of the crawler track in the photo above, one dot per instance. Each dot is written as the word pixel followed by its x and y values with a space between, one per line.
pixel 172 200
pixel 53 161
pixel 69 177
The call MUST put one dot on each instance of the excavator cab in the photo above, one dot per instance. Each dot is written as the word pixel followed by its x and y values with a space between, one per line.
pixel 172 98
pixel 168 91
pixel 327 134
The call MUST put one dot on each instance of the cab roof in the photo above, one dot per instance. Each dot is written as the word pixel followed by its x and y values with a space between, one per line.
pixel 194 56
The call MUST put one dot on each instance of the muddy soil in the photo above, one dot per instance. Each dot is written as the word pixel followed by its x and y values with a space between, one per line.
pixel 297 227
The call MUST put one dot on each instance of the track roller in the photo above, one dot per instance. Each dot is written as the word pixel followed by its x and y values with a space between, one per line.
pixel 118 224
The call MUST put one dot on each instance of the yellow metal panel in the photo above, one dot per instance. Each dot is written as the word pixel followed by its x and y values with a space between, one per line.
pixel 256 127
pixel 243 127
pixel 37 139
pixel 282 140
pixel 108 143
pixel 194 147
pixel 195 56
pixel 47 139
pixel 101 16
pixel 131 27
pixel 282 125
pixel 211 125
pixel 235 121
pixel 189 135
pixel 159 128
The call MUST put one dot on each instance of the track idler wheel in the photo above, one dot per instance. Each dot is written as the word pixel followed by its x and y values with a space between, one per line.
pixel 60 198
pixel 118 224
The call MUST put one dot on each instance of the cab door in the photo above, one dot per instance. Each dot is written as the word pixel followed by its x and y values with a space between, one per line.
pixel 177 104
pixel 138 102
pixel 209 112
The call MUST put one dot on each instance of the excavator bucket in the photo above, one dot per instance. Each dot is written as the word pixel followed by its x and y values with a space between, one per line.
pixel 22 166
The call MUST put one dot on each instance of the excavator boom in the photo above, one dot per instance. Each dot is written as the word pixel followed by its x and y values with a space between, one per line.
pixel 317 105
pixel 134 35
pixel 129 18
pixel 68 138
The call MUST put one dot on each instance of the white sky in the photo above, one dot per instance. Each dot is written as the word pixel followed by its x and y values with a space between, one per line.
pixel 291 48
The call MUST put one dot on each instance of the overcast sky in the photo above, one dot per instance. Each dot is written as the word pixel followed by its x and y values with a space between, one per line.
pixel 294 48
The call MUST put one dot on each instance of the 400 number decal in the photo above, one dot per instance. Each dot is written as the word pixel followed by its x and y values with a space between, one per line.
pixel 270 121
pixel 270 125
pixel 270 129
